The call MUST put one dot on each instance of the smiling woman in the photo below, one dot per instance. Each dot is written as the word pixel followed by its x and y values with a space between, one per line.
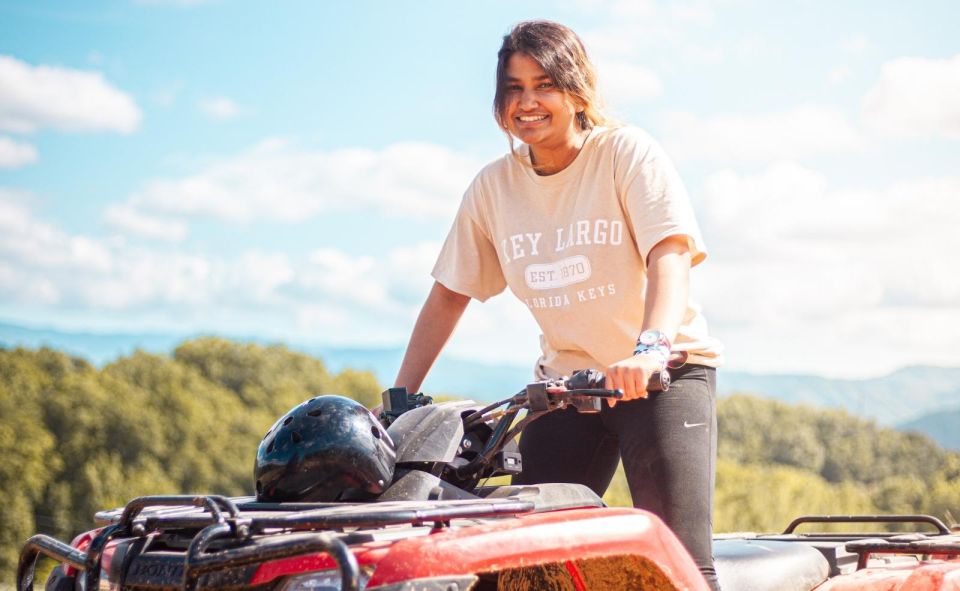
pixel 551 220
pixel 543 85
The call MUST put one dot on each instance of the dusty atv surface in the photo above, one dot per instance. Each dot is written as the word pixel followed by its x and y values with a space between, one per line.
pixel 435 527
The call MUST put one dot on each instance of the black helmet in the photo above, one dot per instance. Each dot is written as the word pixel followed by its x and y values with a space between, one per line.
pixel 325 449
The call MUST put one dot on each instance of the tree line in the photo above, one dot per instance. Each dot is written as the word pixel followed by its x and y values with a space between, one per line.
pixel 75 439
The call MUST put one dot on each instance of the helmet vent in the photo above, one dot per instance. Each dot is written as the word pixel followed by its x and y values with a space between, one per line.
pixel 287 420
pixel 270 446
pixel 376 432
pixel 315 412
pixel 296 437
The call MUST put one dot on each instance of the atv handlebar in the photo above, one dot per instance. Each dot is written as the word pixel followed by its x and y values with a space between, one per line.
pixel 590 382
pixel 583 391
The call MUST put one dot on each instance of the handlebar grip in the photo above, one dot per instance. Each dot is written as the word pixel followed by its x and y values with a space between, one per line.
pixel 586 379
pixel 659 382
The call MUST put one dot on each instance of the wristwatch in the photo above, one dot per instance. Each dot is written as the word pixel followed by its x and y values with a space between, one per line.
pixel 653 342
pixel 653 337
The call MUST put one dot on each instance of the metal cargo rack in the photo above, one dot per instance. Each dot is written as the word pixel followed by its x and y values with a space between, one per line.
pixel 230 524
pixel 854 550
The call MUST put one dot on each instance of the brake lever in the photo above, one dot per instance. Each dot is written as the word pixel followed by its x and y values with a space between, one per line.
pixel 595 392
pixel 591 379
pixel 590 400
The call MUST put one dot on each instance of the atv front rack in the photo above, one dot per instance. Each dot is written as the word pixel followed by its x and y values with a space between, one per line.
pixel 235 521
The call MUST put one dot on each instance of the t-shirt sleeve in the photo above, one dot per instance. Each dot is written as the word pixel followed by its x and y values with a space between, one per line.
pixel 654 197
pixel 468 263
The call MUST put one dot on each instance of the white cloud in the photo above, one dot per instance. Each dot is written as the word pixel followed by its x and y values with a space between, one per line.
pixel 330 296
pixel 364 300
pixel 220 108
pixel 856 44
pixel 277 181
pixel 651 33
pixel 346 278
pixel 38 244
pixel 15 154
pixel 624 83
pixel 802 131
pixel 698 14
pixel 375 301
pixel 838 75
pixel 916 97
pixel 748 47
pixel 396 282
pixel 129 220
pixel 639 40
pixel 848 281
pixel 262 275
pixel 88 272
pixel 36 97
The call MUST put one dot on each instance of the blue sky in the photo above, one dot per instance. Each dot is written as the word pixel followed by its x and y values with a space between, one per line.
pixel 288 170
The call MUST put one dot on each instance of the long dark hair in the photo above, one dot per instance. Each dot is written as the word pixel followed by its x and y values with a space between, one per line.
pixel 561 54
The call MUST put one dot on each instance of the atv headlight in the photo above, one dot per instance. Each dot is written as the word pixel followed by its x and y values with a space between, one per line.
pixel 323 580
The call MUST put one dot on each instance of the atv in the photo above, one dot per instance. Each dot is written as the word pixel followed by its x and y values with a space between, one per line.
pixel 436 526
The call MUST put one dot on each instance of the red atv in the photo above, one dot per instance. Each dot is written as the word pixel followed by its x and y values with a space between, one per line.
pixel 427 524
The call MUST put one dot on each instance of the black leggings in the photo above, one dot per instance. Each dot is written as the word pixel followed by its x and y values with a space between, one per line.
pixel 668 443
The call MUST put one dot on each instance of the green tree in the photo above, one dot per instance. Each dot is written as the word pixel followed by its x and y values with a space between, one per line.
pixel 272 378
pixel 765 498
pixel 755 430
pixel 362 386
pixel 201 436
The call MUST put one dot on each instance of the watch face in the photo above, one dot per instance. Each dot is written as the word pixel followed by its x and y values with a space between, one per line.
pixel 651 337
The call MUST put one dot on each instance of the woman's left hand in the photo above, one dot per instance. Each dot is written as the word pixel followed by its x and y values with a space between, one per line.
pixel 631 375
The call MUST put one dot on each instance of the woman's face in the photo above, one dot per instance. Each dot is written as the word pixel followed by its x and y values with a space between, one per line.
pixel 536 111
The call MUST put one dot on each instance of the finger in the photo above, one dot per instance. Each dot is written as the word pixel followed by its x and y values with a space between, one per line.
pixel 627 384
pixel 640 383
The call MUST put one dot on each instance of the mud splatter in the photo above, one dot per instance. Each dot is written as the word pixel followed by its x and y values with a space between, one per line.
pixel 623 572
pixel 552 576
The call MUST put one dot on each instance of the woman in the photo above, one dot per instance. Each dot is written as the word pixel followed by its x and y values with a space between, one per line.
pixel 590 226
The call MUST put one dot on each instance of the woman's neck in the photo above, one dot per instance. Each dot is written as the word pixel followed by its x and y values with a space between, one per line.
pixel 553 159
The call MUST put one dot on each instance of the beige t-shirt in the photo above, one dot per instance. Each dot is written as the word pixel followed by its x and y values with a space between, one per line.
pixel 572 246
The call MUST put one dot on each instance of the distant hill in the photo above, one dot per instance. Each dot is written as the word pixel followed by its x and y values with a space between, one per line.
pixel 942 426
pixel 904 395
pixel 915 396
pixel 94 347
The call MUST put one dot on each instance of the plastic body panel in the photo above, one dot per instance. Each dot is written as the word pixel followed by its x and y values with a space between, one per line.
pixel 558 537
pixel 764 565
pixel 924 576
pixel 430 433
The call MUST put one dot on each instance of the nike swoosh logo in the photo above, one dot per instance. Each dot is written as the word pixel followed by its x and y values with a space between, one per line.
pixel 689 425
